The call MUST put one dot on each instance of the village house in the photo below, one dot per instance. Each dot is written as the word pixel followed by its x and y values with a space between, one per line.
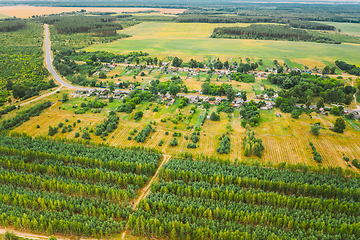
pixel 237 103
pixel 206 99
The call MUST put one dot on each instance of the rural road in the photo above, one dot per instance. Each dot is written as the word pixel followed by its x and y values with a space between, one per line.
pixel 49 62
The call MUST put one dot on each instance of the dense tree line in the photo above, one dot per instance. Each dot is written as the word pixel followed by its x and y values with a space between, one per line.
pixel 352 69
pixel 99 26
pixel 204 200
pixel 202 18
pixel 267 32
pixel 8 25
pixel 24 116
pixel 311 25
pixel 7 109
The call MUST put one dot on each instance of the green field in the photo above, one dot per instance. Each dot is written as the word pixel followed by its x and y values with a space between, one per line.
pixel 191 40
pixel 349 28
pixel 4 16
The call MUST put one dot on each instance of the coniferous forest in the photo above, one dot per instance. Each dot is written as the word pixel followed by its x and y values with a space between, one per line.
pixel 69 188
pixel 208 200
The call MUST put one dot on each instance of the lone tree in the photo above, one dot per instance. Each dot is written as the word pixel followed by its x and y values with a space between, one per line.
pixel 65 97
pixel 320 103
pixel 230 94
pixel 214 117
pixel 339 125
pixel 315 129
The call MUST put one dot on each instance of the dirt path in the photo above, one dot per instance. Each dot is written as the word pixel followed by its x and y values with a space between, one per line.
pixel 40 97
pixel 145 191
pixel 352 83
pixel 26 235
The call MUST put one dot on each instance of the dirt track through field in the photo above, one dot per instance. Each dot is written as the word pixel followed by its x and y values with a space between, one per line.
pixel 145 191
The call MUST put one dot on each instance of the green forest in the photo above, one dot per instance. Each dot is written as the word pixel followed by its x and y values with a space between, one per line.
pixel 270 32
pixel 69 188
pixel 99 26
pixel 22 72
pixel 208 200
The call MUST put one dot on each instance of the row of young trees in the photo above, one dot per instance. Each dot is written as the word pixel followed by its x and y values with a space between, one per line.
pixel 101 153
pixel 327 184
pixel 24 116
pixel 252 145
pixel 205 200
pixel 144 133
pixel 7 109
pixel 61 187
pixel 124 166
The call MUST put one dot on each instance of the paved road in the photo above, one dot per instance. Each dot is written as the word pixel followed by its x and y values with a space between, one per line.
pixel 65 84
pixel 49 63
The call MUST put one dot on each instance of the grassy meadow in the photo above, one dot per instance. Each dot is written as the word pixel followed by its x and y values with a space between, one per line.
pixel 2 16
pixel 347 28
pixel 191 40
pixel 285 139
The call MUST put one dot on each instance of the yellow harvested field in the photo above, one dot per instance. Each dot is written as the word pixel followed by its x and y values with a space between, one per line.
pixel 28 11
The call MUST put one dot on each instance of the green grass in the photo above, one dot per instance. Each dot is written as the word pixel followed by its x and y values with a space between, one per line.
pixel 353 124
pixel 2 16
pixel 293 65
pixel 191 40
pixel 348 28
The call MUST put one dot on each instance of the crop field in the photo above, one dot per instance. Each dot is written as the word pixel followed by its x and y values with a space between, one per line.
pixel 347 28
pixel 28 11
pixel 191 40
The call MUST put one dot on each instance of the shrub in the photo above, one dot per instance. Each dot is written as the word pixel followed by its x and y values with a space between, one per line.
pixel 174 142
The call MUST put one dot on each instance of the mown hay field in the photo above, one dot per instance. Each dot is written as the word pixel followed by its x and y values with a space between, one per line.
pixel 191 40
pixel 285 139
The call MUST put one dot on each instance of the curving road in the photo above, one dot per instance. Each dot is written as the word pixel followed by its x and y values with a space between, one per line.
pixel 49 62
pixel 65 84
